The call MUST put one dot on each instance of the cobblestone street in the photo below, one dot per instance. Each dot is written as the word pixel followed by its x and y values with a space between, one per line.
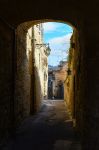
pixel 50 129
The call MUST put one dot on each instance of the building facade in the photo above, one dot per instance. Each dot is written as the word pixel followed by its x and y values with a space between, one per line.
pixel 57 76
pixel 39 61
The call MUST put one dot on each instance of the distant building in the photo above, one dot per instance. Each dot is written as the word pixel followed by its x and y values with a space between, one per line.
pixel 57 76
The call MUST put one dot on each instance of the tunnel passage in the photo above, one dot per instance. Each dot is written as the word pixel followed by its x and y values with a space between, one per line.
pixel 86 21
pixel 28 72
pixel 26 83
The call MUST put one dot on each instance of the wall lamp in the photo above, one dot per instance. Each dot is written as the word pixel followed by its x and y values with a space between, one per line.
pixel 40 45
pixel 47 51
pixel 69 71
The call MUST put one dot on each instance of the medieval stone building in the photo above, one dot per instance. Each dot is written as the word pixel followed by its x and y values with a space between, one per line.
pixel 39 61
pixel 57 76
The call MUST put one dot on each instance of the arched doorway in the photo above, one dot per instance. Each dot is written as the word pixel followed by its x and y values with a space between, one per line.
pixel 25 31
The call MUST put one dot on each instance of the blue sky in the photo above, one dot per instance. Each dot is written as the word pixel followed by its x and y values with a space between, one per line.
pixel 58 36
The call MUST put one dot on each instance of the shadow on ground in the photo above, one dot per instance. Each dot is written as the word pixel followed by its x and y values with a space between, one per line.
pixel 50 129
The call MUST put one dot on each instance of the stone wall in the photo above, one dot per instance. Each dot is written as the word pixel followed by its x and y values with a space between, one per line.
pixel 6 78
pixel 69 82
pixel 73 84
pixel 23 78
pixel 90 102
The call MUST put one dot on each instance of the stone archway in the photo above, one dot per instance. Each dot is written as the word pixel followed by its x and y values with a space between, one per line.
pixel 22 29
pixel 80 14
pixel 23 62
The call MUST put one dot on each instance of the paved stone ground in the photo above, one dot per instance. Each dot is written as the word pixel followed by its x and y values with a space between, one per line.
pixel 50 129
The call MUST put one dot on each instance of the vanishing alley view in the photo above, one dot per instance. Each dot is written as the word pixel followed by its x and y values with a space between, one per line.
pixel 46 77
pixel 49 76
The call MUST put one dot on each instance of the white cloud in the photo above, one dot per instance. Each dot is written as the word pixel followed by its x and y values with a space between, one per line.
pixel 61 40
pixel 59 48
pixel 60 43
pixel 48 27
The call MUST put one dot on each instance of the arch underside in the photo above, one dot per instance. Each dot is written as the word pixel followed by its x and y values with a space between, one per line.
pixel 21 12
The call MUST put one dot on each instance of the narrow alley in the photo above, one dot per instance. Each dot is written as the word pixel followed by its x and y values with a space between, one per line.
pixel 50 129
pixel 27 77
